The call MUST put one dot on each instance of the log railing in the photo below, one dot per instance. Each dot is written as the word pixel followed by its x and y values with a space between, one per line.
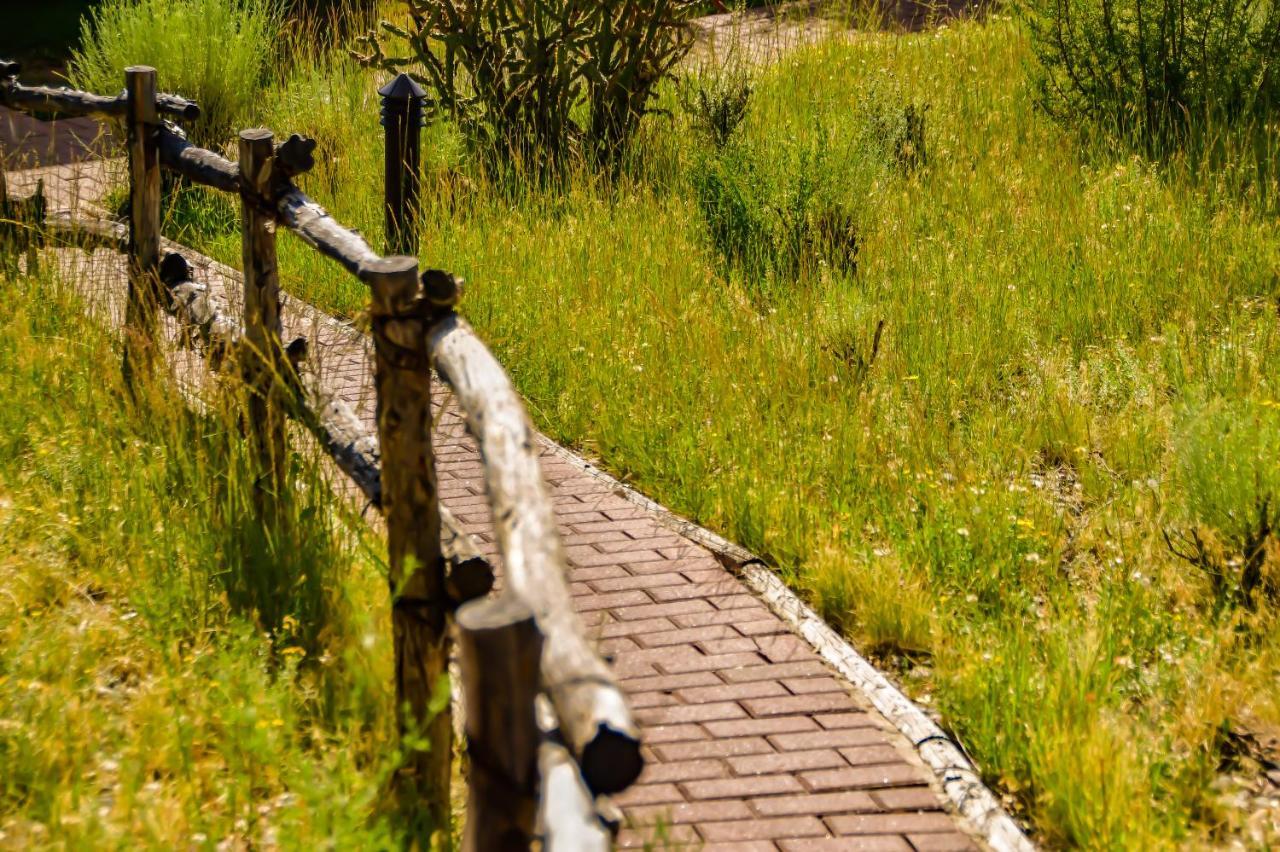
pixel 549 732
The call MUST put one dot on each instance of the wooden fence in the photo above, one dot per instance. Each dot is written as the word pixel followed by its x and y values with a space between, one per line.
pixel 549 733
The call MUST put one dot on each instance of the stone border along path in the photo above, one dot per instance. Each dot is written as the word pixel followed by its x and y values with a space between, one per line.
pixel 763 729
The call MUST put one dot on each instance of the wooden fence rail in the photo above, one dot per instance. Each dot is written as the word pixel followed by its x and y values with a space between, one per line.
pixel 549 732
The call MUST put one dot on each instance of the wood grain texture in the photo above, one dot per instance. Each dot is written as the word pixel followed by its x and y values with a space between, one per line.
pixel 318 229
pixel 567 817
pixel 420 609
pixel 70 103
pixel 196 164
pixel 594 717
pixel 499 648
pixel 263 355
pixel 144 221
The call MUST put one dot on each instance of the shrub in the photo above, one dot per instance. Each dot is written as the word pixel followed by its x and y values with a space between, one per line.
pixel 216 52
pixel 1154 70
pixel 542 82
pixel 716 103
pixel 1227 464
pixel 778 211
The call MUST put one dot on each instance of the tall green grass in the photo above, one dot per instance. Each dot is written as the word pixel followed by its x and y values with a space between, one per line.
pixel 216 52
pixel 171 674
pixel 984 503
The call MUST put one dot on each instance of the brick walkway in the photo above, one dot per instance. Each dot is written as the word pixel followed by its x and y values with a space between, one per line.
pixel 752 742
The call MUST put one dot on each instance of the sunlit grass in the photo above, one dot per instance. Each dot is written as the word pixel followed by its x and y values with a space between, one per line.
pixel 985 505
pixel 173 674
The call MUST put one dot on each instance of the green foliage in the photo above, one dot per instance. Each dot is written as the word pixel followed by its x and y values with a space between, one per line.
pixel 545 82
pixel 1227 455
pixel 716 102
pixel 778 214
pixel 1157 71
pixel 967 454
pixel 219 53
pixel 172 675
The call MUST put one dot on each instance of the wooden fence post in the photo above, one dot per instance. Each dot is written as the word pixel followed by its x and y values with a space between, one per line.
pixel 264 363
pixel 144 220
pixel 500 649
pixel 411 507
pixel 402 104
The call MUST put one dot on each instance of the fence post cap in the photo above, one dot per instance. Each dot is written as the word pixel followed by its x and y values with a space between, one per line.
pixel 402 87
pixel 139 69
pixel 256 134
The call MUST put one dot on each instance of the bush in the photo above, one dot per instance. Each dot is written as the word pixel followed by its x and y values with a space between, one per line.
pixel 778 212
pixel 1227 464
pixel 216 52
pixel 1154 70
pixel 716 103
pixel 542 82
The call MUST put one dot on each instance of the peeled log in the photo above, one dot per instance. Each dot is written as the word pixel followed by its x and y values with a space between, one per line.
pixel 594 717
pixel 498 648
pixel 567 817
pixel 196 164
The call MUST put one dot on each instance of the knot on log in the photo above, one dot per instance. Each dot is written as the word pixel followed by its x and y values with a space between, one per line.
pixel 295 156
pixel 296 352
pixel 174 269
pixel 442 290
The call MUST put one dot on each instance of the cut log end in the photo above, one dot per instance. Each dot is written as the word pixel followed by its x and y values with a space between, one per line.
pixel 469 580
pixel 611 762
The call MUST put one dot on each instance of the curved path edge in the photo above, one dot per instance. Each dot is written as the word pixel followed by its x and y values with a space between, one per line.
pixel 956 774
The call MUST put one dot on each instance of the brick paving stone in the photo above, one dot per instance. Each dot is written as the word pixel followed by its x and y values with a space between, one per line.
pixel 777 671
pixel 628 581
pixel 670 682
pixel 865 755
pixel 836 721
pixel 645 794
pixel 795 761
pixel 675 610
pixel 731 691
pixel 952 841
pixel 796 703
pixel 675 734
pixel 713 748
pixel 751 739
pixel 897 823
pixel 688 812
pixel 816 803
pixel 863 777
pixel 740 644
pixel 638 627
pixel 760 829
pixel 828 739
pixel 675 664
pixel 689 770
pixel 908 799
pixel 690 713
pixel 734 788
pixel 882 843
pixel 810 685
pixel 771 725
pixel 760 628
pixel 686 635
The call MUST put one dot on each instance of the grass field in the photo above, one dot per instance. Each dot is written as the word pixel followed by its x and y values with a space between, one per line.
pixel 172 676
pixel 1076 377
pixel 1001 403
